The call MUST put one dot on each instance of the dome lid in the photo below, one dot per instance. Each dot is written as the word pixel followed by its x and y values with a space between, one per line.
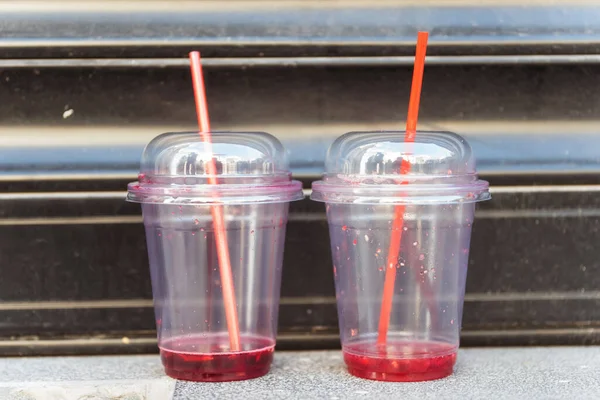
pixel 251 167
pixel 380 167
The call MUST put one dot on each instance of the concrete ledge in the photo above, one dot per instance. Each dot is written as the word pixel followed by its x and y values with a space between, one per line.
pixel 494 373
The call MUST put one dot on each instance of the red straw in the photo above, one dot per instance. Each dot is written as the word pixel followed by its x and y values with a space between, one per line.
pixel 216 210
pixel 396 238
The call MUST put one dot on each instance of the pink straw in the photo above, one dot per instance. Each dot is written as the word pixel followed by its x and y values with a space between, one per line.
pixel 216 210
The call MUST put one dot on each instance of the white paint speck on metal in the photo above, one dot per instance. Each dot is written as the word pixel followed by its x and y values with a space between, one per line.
pixel 67 113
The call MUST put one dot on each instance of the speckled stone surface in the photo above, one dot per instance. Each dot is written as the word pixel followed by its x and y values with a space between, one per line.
pixel 486 373
pixel 38 369
pixel 491 373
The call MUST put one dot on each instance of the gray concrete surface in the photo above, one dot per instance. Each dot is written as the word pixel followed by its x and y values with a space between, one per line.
pixel 486 373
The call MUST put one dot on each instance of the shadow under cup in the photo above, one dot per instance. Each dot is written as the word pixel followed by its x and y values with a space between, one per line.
pixel 180 206
pixel 428 211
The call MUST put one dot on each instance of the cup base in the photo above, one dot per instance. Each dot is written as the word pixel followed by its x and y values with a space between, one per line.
pixel 429 361
pixel 203 376
pixel 218 366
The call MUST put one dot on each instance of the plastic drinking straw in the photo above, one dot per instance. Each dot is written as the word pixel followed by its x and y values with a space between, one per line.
pixel 216 210
pixel 396 237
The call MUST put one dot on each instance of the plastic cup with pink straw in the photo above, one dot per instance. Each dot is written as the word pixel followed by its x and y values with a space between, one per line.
pixel 400 207
pixel 215 208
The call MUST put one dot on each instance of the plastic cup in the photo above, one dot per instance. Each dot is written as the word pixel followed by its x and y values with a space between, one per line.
pixel 363 188
pixel 254 190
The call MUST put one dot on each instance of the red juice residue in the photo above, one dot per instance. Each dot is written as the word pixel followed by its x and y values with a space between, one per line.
pixel 206 359
pixel 400 361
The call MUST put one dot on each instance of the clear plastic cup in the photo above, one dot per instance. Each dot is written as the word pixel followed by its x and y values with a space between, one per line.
pixel 253 191
pixel 366 196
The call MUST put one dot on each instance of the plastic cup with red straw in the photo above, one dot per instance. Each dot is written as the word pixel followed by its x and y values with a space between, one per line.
pixel 215 201
pixel 400 207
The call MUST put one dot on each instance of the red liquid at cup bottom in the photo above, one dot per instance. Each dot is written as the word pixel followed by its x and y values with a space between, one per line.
pixel 207 358
pixel 400 361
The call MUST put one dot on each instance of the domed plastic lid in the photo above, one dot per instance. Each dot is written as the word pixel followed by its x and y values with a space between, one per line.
pixel 380 168
pixel 250 168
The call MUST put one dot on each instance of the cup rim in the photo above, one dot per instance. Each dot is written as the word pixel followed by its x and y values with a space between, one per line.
pixel 417 194
pixel 228 194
